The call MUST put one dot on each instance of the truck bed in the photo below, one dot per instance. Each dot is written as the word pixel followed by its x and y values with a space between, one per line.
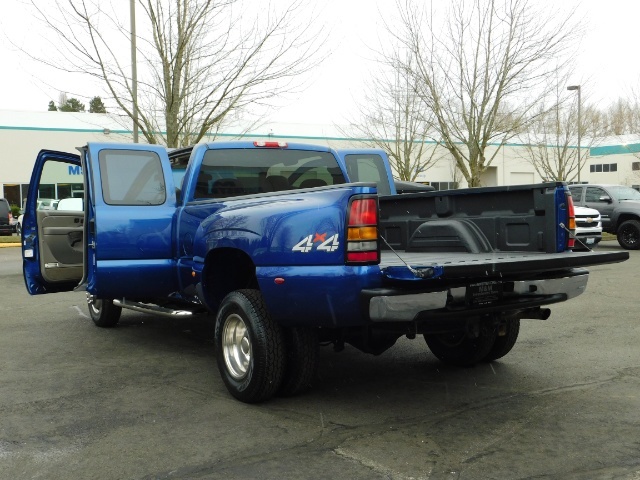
pixel 505 219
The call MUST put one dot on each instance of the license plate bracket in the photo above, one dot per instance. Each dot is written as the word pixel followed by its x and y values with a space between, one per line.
pixel 484 293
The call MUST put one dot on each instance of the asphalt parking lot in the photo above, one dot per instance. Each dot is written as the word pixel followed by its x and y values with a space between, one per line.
pixel 145 401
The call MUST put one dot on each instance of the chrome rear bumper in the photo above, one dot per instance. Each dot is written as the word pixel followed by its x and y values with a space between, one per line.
pixel 524 294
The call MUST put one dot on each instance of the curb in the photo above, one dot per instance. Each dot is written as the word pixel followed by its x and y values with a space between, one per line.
pixel 5 245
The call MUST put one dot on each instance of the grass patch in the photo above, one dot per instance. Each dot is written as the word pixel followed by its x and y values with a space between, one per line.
pixel 11 239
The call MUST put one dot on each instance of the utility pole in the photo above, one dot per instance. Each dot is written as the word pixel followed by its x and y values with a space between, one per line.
pixel 134 71
pixel 571 88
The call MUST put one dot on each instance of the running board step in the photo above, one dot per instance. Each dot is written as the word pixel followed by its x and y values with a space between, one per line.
pixel 155 309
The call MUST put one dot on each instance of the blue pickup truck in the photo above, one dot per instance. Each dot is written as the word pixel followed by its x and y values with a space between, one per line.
pixel 290 246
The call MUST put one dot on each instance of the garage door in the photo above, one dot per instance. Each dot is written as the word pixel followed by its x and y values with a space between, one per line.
pixel 521 178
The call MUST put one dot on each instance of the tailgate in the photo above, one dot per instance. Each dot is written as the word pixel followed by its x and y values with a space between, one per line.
pixel 456 265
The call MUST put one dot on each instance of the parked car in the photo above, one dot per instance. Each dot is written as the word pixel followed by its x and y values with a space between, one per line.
pixel 47 204
pixel 19 225
pixel 588 228
pixel 14 223
pixel 619 207
pixel 71 204
pixel 6 228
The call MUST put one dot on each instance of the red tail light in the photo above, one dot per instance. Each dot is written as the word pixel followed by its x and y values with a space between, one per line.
pixel 571 213
pixel 363 212
pixel 362 231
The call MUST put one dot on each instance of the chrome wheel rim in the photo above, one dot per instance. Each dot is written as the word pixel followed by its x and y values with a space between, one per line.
pixel 236 346
pixel 95 304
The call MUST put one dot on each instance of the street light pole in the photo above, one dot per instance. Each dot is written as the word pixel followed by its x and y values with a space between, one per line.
pixel 134 70
pixel 571 88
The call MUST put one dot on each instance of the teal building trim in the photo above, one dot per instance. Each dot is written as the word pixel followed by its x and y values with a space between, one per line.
pixel 614 150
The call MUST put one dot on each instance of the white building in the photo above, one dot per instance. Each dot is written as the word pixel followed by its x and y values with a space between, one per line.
pixel 615 160
pixel 24 134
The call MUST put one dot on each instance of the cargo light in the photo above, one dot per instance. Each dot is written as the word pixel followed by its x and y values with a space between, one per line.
pixel 270 144
pixel 362 231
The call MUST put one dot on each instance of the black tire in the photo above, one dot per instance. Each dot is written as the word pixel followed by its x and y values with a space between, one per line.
pixel 249 347
pixel 459 348
pixel 629 235
pixel 504 343
pixel 301 364
pixel 103 312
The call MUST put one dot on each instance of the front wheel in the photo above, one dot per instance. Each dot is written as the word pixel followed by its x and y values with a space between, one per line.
pixel 461 348
pixel 629 235
pixel 250 348
pixel 103 312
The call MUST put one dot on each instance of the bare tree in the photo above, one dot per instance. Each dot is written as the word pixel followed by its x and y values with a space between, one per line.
pixel 594 121
pixel 202 61
pixel 550 139
pixel 482 70
pixel 391 117
pixel 633 99
pixel 623 116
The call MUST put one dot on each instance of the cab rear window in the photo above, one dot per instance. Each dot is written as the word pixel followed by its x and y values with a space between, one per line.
pixel 233 172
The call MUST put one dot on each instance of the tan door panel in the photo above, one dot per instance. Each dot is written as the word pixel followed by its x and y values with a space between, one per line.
pixel 61 245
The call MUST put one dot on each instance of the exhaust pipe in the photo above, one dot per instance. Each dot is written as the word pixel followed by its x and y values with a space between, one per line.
pixel 536 313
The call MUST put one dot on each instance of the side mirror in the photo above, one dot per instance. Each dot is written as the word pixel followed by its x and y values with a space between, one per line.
pixel 605 198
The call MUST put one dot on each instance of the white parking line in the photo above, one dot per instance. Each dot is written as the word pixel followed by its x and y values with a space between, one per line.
pixel 80 312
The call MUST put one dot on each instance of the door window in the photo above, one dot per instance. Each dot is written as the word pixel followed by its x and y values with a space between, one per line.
pixel 58 180
pixel 576 193
pixel 593 194
pixel 131 178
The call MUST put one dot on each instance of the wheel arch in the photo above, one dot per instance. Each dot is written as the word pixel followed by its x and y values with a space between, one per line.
pixel 226 269
pixel 623 217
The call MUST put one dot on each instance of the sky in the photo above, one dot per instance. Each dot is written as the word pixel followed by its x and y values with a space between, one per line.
pixel 607 65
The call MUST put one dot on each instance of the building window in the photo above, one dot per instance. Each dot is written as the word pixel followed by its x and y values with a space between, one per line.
pixel 605 167
pixel 444 185
pixel 635 166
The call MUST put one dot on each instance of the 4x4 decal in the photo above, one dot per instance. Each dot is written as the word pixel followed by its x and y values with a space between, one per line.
pixel 308 243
